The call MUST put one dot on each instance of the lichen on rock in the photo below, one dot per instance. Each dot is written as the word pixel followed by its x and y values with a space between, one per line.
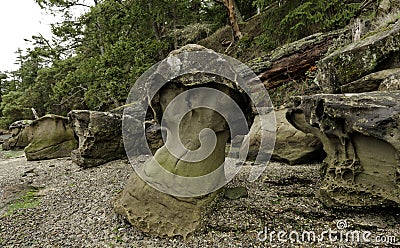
pixel 378 50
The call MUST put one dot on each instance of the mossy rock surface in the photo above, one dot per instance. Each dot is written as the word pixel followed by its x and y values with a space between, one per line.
pixel 52 138
pixel 235 193
pixel 373 53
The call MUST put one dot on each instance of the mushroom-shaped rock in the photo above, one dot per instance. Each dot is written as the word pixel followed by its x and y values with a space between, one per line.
pixel 197 111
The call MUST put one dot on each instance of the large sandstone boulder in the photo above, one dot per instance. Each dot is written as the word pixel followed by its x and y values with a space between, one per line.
pixel 166 211
pixel 361 136
pixel 161 214
pixel 379 50
pixel 292 146
pixel 99 136
pixel 20 137
pixel 52 138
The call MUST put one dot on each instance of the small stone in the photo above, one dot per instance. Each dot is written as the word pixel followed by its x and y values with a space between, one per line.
pixel 235 193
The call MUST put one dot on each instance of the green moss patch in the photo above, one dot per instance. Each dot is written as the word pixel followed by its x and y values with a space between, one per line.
pixel 25 200
pixel 11 153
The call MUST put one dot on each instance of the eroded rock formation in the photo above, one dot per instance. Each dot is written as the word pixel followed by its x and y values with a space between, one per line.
pixel 163 214
pixel 99 136
pixel 20 137
pixel 361 136
pixel 293 146
pixel 52 137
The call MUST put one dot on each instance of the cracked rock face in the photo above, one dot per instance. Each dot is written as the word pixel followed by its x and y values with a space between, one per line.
pixel 391 83
pixel 381 80
pixel 99 137
pixel 361 136
pixel 162 214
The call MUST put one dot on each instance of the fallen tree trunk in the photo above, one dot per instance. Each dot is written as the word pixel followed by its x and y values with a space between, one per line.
pixel 291 61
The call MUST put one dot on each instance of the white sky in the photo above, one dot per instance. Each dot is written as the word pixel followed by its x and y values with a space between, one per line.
pixel 19 20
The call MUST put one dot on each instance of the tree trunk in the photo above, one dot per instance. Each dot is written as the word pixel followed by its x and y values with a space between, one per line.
pixel 230 5
pixel 101 45
pixel 233 18
pixel 156 30
pixel 238 15
pixel 154 24
pixel 174 24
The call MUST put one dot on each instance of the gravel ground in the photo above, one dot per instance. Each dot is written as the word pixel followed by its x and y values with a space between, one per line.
pixel 75 210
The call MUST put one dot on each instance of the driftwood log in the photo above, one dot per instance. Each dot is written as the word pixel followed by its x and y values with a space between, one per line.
pixel 291 61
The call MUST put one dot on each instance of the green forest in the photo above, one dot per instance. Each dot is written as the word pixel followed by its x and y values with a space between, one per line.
pixel 92 61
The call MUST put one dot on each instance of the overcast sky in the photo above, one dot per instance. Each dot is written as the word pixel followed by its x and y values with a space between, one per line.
pixel 19 20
